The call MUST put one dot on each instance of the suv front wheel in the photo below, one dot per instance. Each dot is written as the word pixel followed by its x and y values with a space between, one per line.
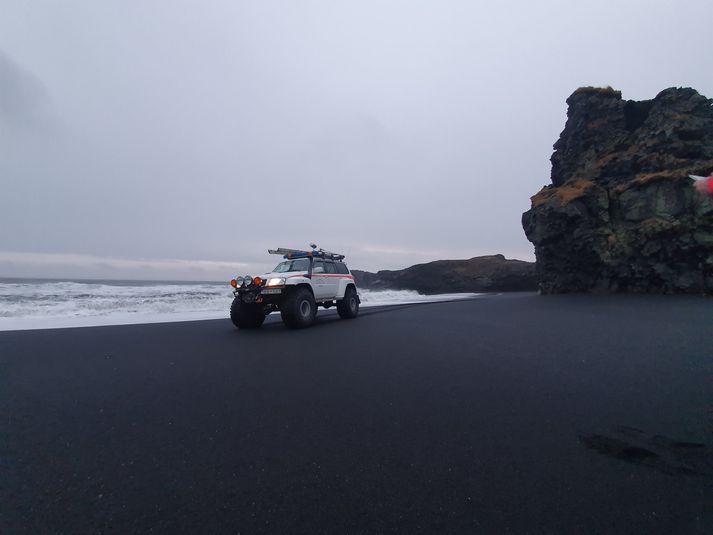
pixel 348 307
pixel 246 316
pixel 299 308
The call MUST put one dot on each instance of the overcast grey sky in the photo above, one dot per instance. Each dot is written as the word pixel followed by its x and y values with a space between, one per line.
pixel 181 139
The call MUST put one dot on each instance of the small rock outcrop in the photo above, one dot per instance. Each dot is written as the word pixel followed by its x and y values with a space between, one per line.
pixel 493 273
pixel 620 214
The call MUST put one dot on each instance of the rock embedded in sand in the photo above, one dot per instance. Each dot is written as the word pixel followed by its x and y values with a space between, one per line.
pixel 620 214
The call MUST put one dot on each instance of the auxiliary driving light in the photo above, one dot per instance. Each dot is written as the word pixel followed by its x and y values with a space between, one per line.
pixel 239 282
pixel 248 280
pixel 234 283
pixel 257 281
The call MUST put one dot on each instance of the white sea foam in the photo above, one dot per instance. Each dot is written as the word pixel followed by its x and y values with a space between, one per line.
pixel 405 297
pixel 52 304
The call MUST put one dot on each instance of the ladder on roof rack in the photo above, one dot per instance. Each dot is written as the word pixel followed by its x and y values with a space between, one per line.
pixel 297 253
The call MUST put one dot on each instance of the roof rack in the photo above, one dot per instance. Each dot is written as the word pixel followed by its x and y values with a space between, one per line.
pixel 297 253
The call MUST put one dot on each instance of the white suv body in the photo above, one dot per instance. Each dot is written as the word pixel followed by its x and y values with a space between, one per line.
pixel 329 279
pixel 299 284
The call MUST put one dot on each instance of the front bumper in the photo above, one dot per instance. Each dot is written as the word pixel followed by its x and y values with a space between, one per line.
pixel 260 295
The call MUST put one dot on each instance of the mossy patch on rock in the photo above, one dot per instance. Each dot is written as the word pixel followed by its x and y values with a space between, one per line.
pixel 564 194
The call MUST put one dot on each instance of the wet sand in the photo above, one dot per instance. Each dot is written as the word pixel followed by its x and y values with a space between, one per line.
pixel 505 414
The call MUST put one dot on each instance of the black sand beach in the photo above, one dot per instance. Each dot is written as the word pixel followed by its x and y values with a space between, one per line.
pixel 505 414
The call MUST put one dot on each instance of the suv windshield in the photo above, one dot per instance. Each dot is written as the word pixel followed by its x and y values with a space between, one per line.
pixel 300 264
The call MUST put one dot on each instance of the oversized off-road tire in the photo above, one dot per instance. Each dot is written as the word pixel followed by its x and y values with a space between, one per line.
pixel 348 307
pixel 298 309
pixel 246 316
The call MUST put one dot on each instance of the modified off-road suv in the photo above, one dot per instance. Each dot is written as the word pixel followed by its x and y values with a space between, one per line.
pixel 299 284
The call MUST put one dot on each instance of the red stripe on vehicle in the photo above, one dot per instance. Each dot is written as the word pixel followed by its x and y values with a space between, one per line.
pixel 323 275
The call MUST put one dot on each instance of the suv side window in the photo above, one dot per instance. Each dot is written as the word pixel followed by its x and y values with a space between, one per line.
pixel 318 267
pixel 342 268
pixel 330 267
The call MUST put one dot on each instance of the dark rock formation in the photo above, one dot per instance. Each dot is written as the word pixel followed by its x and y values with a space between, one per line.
pixel 480 274
pixel 621 214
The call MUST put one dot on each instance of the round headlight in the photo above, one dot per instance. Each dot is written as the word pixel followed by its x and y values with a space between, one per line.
pixel 239 281
pixel 248 280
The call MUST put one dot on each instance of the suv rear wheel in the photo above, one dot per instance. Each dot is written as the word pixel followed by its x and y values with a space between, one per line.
pixel 348 307
pixel 299 309
pixel 246 316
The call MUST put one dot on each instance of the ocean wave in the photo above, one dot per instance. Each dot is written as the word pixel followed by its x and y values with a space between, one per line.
pixel 62 304
pixel 404 297
pixel 74 299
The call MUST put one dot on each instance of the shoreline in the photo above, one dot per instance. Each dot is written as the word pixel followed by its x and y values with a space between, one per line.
pixel 73 322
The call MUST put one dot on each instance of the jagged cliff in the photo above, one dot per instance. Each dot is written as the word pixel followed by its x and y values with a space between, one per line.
pixel 620 214
pixel 493 273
